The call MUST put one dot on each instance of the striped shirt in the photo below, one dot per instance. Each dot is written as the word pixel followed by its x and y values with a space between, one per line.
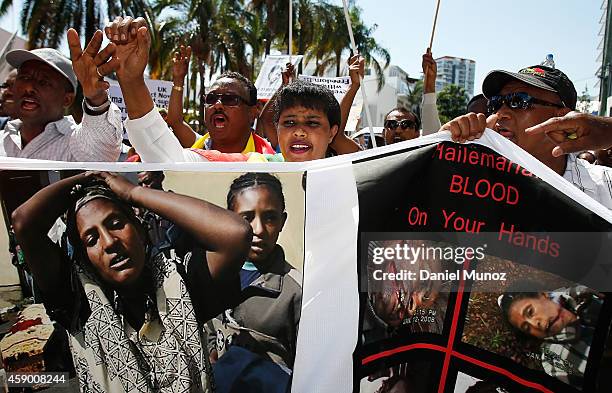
pixel 97 138
pixel 593 180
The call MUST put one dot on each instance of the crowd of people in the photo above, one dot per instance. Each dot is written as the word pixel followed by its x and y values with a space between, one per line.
pixel 120 234
pixel 534 108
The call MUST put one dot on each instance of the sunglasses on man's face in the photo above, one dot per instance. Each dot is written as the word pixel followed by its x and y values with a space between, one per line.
pixel 404 124
pixel 226 99
pixel 517 101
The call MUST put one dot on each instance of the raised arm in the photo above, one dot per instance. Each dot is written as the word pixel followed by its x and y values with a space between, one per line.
pixel 341 143
pixel 148 132
pixel 183 132
pixel 98 138
pixel 225 235
pixel 31 222
pixel 429 109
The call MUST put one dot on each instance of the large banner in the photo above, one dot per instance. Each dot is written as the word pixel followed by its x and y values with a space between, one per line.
pixel 426 266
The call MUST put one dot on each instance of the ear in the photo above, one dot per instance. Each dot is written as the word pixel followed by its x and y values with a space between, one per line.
pixel 254 112
pixel 68 100
pixel 283 220
pixel 332 133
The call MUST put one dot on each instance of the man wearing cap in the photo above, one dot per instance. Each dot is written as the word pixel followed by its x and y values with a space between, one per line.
pixel 524 100
pixel 44 88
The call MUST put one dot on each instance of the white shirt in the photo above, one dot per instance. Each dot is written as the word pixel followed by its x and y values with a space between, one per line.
pixel 430 120
pixel 593 180
pixel 155 142
pixel 97 138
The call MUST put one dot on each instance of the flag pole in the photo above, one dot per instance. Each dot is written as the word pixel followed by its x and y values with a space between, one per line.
pixel 435 21
pixel 363 93
pixel 290 29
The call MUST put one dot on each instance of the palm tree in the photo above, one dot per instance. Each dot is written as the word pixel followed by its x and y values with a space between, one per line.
pixel 276 11
pixel 332 40
pixel 254 30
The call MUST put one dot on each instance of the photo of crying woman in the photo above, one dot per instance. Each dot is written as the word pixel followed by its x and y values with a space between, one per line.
pixel 134 312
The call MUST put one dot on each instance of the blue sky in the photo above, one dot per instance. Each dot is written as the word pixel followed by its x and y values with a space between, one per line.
pixel 508 34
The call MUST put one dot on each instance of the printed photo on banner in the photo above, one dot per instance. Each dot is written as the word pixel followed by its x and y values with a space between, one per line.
pixel 401 297
pixel 445 233
pixel 538 320
pixel 213 261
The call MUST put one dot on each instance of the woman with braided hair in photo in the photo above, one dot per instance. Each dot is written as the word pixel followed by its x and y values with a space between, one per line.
pixel 134 315
pixel 260 333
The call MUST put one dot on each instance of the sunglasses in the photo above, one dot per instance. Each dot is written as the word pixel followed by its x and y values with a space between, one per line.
pixel 404 124
pixel 226 99
pixel 517 101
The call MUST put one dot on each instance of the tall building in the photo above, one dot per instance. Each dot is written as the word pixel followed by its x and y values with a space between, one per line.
pixel 457 71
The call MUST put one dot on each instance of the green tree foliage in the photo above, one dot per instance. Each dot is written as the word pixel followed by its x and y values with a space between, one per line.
pixel 224 34
pixel 452 102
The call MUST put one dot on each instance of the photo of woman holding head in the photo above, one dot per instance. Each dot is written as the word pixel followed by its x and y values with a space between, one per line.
pixel 134 315
pixel 260 334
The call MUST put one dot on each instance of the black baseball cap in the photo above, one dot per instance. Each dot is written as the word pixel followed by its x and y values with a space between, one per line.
pixel 539 76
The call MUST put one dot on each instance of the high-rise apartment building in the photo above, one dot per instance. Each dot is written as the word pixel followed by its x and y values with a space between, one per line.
pixel 456 70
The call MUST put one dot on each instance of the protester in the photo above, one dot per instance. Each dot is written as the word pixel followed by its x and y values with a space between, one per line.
pixel 45 86
pixel 265 121
pixel 533 108
pixel 307 118
pixel 230 112
pixel 266 320
pixel 401 124
pixel 128 302
pixel 563 320
pixel 429 108
pixel 7 102
pixel 341 144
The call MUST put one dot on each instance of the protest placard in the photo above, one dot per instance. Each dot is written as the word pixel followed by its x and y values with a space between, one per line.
pixel 159 89
pixel 338 85
pixel 270 78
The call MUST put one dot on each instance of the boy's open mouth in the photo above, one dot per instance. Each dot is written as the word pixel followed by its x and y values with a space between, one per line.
pixel 300 147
